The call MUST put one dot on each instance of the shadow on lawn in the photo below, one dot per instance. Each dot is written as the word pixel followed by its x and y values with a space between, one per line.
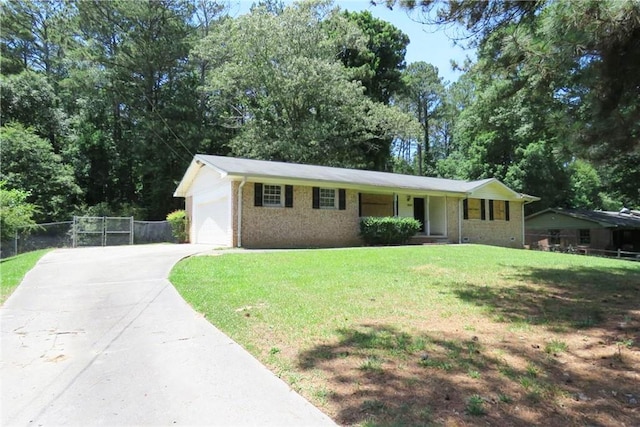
pixel 562 299
pixel 380 376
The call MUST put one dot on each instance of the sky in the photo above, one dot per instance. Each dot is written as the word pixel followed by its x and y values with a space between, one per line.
pixel 428 44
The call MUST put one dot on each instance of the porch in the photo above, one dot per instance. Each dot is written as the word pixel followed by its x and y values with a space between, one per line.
pixel 429 210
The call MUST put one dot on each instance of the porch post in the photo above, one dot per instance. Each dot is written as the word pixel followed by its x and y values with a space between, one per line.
pixel 427 217
pixel 395 204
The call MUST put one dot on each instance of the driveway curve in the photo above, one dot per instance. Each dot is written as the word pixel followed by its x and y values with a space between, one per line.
pixel 98 336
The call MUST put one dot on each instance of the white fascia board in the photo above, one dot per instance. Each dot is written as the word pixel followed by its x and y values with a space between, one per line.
pixel 186 181
pixel 202 159
pixel 332 184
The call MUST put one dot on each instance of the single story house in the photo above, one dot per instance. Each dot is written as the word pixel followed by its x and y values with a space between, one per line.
pixel 235 202
pixel 584 229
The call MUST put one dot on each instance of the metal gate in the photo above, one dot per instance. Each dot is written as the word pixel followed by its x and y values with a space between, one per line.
pixel 102 231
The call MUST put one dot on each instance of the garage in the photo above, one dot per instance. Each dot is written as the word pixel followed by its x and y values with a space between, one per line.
pixel 212 218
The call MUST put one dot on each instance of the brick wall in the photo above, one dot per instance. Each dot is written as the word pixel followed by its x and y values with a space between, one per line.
pixel 496 233
pixel 299 226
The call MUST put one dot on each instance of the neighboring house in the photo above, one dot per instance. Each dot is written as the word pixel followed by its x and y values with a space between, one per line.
pixel 583 229
pixel 262 204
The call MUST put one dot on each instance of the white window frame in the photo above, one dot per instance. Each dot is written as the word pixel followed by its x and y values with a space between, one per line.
pixel 336 196
pixel 268 204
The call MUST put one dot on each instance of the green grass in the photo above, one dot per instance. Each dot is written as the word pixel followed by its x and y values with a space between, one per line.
pixel 12 271
pixel 316 292
pixel 382 317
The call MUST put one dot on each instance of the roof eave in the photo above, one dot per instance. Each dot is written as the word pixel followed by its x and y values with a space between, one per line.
pixel 337 184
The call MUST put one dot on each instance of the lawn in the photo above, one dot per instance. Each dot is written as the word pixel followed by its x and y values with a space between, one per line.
pixel 443 335
pixel 12 271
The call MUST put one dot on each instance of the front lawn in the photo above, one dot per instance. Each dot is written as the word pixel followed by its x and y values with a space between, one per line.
pixel 12 271
pixel 454 334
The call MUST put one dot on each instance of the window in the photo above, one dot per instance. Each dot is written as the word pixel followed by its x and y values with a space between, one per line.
pixel 271 195
pixel 473 209
pixel 328 198
pixel 499 210
pixel 584 237
pixel 554 237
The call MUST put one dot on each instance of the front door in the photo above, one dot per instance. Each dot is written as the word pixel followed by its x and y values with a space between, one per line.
pixel 418 211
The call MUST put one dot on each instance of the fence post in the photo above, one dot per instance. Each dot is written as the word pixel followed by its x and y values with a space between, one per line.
pixel 104 231
pixel 15 243
pixel 74 230
pixel 131 231
pixel 618 252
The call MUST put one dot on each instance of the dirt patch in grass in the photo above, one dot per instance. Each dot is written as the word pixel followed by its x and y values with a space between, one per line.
pixel 552 350
pixel 383 376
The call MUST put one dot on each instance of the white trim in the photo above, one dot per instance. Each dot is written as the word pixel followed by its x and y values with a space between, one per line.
pixel 427 217
pixel 446 217
pixel 239 243
pixel 373 189
pixel 524 241
pixel 460 209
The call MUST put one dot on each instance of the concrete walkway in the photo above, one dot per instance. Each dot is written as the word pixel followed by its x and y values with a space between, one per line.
pixel 98 336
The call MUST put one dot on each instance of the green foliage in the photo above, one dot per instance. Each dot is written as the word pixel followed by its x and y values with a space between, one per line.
pixel 475 405
pixel 29 161
pixel 377 66
pixel 15 212
pixel 279 83
pixel 388 230
pixel 423 97
pixel 179 225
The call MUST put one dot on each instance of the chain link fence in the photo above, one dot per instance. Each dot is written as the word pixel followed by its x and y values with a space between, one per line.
pixel 61 235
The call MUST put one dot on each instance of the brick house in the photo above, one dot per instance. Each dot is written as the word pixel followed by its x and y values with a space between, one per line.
pixel 235 202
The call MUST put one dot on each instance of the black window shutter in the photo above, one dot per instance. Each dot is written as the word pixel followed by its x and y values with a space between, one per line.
pixel 490 209
pixel 342 199
pixel 359 204
pixel 316 197
pixel 483 213
pixel 257 194
pixel 506 210
pixel 465 208
pixel 288 196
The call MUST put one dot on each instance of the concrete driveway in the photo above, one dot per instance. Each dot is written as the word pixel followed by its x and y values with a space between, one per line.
pixel 98 336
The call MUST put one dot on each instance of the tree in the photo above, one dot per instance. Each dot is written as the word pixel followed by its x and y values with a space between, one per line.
pixel 35 35
pixel 30 99
pixel 423 94
pixel 15 212
pixel 575 63
pixel 379 66
pixel 276 79
pixel 30 164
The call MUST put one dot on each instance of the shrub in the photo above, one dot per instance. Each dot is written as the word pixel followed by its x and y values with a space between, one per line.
pixel 178 222
pixel 388 230
pixel 15 212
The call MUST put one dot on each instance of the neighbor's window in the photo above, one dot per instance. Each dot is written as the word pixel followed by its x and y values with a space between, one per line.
pixel 474 208
pixel 328 198
pixel 271 195
pixel 554 237
pixel 585 237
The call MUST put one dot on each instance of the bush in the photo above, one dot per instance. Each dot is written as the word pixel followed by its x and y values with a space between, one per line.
pixel 15 212
pixel 388 230
pixel 178 222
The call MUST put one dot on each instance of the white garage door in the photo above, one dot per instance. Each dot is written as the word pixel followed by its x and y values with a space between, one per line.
pixel 211 220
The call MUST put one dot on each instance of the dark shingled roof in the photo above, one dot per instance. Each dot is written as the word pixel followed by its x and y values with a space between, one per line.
pixel 606 219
